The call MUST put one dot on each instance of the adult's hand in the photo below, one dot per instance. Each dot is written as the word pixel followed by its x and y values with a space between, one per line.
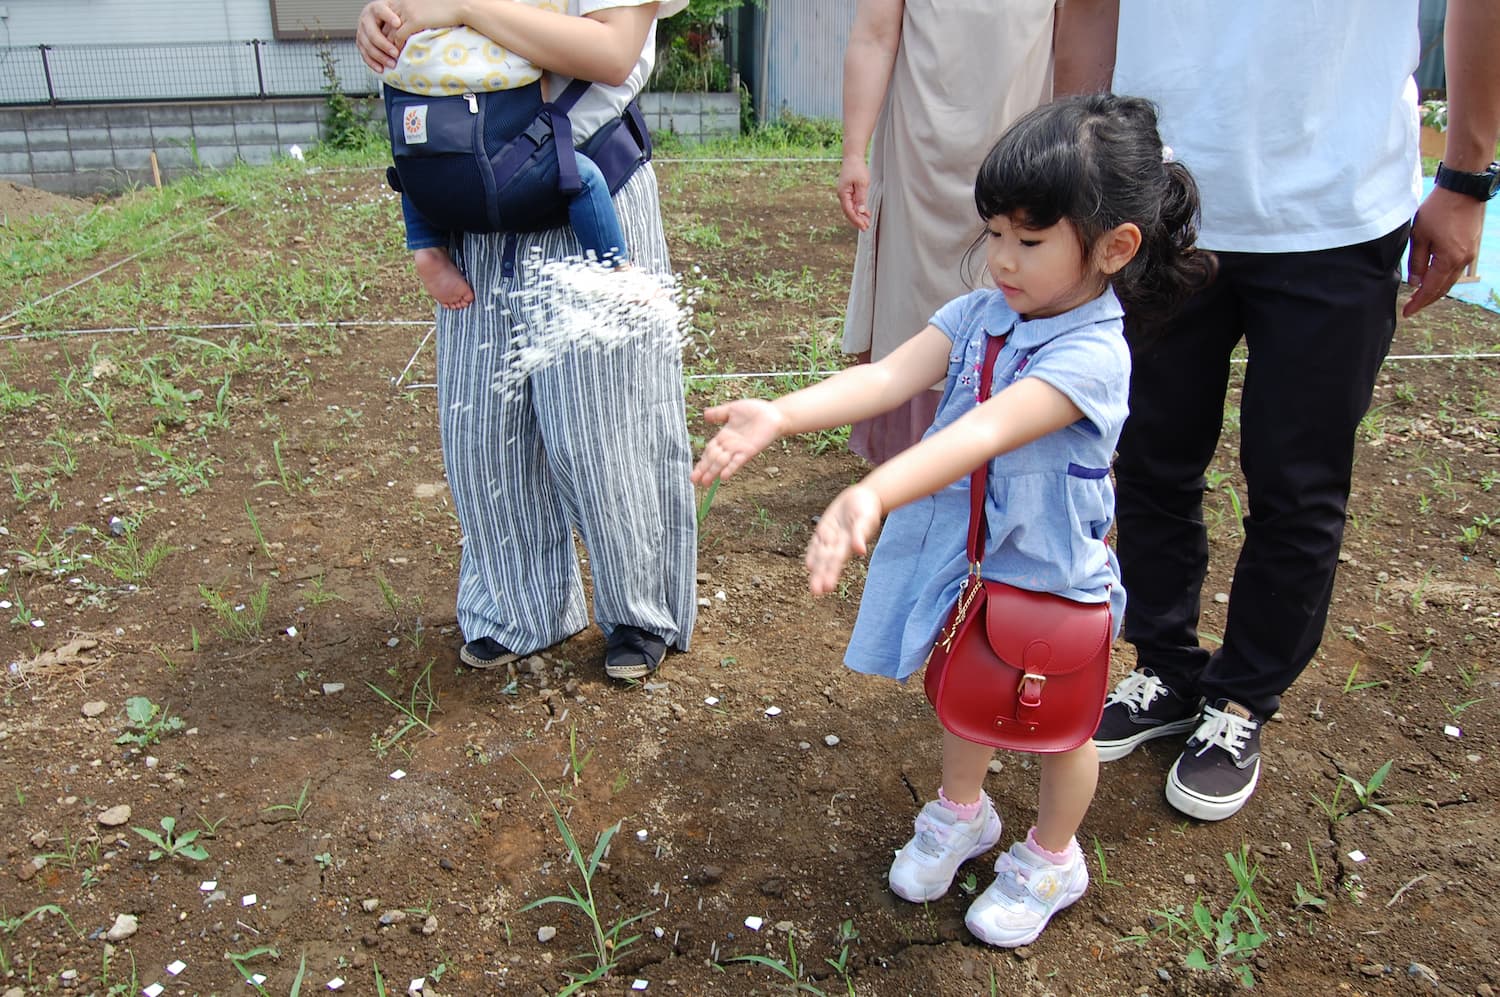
pixel 854 191
pixel 419 15
pixel 1444 240
pixel 378 20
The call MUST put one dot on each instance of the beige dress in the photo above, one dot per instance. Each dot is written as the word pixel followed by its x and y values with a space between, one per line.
pixel 964 71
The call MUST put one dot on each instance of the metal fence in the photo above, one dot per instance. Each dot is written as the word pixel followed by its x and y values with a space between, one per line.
pixel 68 74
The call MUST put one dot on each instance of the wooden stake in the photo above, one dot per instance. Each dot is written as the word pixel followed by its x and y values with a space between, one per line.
pixel 155 170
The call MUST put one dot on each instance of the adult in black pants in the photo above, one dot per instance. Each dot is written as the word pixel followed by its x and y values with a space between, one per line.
pixel 1299 123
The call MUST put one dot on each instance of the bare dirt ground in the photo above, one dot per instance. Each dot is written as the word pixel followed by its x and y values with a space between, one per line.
pixel 272 567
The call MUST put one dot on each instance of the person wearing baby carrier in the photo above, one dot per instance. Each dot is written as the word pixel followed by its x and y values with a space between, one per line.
pixel 595 442
pixel 478 148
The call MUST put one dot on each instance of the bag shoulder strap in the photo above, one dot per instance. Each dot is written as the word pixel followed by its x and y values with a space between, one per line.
pixel 979 480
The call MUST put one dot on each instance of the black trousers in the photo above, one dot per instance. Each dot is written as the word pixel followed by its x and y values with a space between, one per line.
pixel 1318 326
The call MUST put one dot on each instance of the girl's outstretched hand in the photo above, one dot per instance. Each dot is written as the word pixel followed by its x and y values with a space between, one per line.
pixel 750 425
pixel 843 532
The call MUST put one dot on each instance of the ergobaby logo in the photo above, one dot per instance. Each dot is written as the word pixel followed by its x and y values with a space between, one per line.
pixel 414 124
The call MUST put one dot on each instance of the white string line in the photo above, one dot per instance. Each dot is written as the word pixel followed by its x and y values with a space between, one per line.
pixel 199 224
pixel 211 327
pixel 820 374
pixel 396 323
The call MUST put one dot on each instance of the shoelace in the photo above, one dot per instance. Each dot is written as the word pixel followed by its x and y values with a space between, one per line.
pixel 1226 730
pixel 1011 876
pixel 1137 691
pixel 932 836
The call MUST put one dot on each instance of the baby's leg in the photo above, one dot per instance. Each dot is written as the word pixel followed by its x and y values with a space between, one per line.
pixel 443 280
pixel 591 212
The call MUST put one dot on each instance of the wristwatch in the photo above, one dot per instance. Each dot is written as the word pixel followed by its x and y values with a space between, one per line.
pixel 1480 186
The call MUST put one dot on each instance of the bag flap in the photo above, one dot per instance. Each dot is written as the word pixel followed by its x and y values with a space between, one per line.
pixel 1042 633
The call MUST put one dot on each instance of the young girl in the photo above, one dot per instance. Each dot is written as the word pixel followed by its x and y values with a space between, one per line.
pixel 1085 213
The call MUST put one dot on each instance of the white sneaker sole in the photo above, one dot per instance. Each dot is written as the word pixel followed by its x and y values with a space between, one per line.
pixel 1015 939
pixel 1110 751
pixel 1203 807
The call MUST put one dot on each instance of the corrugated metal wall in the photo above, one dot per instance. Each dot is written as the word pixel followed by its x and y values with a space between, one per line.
pixel 801 64
pixel 315 18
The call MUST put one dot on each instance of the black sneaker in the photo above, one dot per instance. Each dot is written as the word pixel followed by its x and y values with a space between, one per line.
pixel 486 652
pixel 1217 771
pixel 1141 707
pixel 632 653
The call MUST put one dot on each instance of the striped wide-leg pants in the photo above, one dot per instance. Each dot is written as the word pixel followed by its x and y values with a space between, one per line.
pixel 595 441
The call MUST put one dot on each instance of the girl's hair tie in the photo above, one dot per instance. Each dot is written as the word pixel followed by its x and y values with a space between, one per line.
pixel 1167 155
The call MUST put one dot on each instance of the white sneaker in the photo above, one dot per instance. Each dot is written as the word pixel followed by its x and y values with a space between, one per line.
pixel 925 865
pixel 1026 892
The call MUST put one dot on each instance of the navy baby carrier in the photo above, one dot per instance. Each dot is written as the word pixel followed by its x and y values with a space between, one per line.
pixel 502 161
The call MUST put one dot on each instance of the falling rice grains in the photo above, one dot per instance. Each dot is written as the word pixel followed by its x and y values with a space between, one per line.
pixel 572 308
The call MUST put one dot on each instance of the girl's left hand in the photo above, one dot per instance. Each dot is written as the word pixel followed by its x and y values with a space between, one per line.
pixel 843 532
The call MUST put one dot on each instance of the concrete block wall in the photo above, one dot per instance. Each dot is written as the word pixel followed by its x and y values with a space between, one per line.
pixel 105 148
pixel 693 117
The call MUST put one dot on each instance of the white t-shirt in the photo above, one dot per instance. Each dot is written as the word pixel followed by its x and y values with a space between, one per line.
pixel 1297 119
pixel 603 103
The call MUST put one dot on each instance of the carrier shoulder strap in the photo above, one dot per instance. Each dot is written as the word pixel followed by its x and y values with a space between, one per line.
pixel 568 180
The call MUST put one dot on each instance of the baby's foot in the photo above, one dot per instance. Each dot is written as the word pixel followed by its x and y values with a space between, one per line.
pixel 443 280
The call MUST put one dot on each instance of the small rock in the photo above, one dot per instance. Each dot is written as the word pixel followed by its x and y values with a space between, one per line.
pixel 1222 598
pixel 94 707
pixel 1372 969
pixel 446 864
pixel 38 839
pixel 369 904
pixel 1420 971
pixel 332 688
pixel 391 917
pixel 1189 878
pixel 1023 953
pixel 785 927
pixel 430 926
pixel 115 816
pixel 832 740
pixel 1164 976
pixel 775 887
pixel 546 933
pixel 125 925
pixel 709 875
pixel 369 940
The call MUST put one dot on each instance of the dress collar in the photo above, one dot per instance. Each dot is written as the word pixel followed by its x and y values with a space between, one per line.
pixel 1032 333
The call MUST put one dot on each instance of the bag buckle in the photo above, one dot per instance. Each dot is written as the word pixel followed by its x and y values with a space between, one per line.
pixel 1029 689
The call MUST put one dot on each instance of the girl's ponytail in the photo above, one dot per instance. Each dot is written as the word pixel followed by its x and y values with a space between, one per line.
pixel 1169 266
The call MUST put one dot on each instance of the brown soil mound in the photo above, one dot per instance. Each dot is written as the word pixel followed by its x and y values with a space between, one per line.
pixel 18 203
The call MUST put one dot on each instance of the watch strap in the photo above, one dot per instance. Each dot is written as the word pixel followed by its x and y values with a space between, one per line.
pixel 1480 186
